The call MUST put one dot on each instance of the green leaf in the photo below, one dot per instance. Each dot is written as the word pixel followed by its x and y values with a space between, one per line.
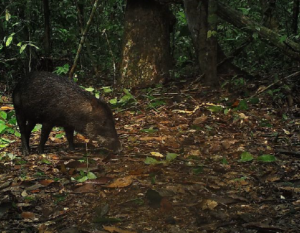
pixel 198 170
pixel 151 161
pixel 246 157
pixel 224 161
pixel 254 100
pixel 242 105
pixel 60 135
pixel 2 127
pixel 9 39
pixel 215 108
pixel 32 45
pixel 91 176
pixel 209 34
pixel 7 15
pixel 82 179
pixel 226 110
pixel 150 130
pixel 3 115
pixel 106 90
pixel 37 128
pixel 255 35
pixel 45 161
pixel 266 158
pixel 171 156
pixel 22 48
pixel 90 89
pixel 283 38
pixel 245 10
pixel 113 101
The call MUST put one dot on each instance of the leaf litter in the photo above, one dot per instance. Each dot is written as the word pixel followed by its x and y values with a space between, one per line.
pixel 191 165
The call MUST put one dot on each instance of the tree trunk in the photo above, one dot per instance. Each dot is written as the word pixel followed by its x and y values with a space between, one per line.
pixel 146 58
pixel 295 16
pixel 47 36
pixel 211 77
pixel 239 20
pixel 196 15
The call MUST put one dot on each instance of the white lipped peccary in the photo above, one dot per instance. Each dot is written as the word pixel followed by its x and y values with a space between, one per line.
pixel 52 100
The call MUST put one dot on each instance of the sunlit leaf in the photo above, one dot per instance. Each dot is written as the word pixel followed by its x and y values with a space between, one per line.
pixel 171 156
pixel 215 108
pixel 246 157
pixel 266 158
pixel 9 40
pixel 22 48
pixel 90 89
pixel 91 175
pixel 150 160
pixel 113 101
pixel 106 89
pixel 7 15
pixel 156 154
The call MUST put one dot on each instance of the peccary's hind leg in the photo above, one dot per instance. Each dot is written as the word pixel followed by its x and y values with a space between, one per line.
pixel 22 126
pixel 29 127
pixel 46 129
pixel 70 137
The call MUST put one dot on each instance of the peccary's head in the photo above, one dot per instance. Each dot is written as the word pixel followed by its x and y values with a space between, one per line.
pixel 101 126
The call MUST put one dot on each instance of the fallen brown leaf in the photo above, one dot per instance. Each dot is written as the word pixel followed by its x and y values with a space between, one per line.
pixel 121 182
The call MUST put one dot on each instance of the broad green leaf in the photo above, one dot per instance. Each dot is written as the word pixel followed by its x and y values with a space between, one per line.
pixel 3 115
pixel 113 101
pixel 243 105
pixel 215 108
pixel 246 157
pixel 171 156
pixel 11 156
pixel 7 15
pixel 226 111
pixel 209 33
pixel 283 38
pixel 106 89
pixel 22 48
pixel 37 128
pixel 91 176
pixel 151 161
pixel 266 158
pixel 60 135
pixel 17 134
pixel 85 178
pixel 2 127
pixel 254 100
pixel 90 89
pixel 9 39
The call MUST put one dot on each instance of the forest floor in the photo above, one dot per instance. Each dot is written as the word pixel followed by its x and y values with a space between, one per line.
pixel 193 160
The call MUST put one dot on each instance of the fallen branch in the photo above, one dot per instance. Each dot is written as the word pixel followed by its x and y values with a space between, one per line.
pixel 280 80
